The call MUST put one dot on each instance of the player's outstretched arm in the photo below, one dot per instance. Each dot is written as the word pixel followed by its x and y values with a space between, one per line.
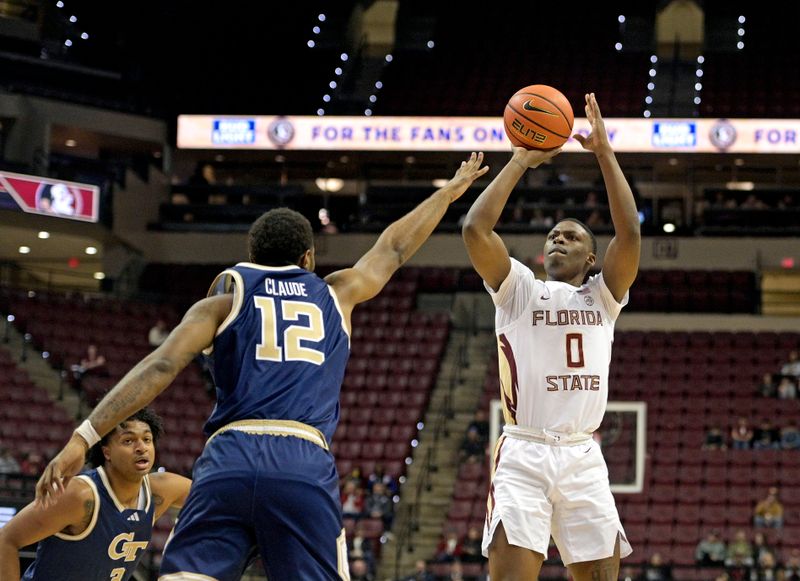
pixel 169 491
pixel 401 240
pixel 485 248
pixel 139 387
pixel 71 513
pixel 622 257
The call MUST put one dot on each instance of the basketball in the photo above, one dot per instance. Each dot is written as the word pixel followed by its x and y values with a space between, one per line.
pixel 538 117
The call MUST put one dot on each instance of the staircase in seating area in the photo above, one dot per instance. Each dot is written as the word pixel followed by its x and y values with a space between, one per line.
pixel 427 494
pixel 780 293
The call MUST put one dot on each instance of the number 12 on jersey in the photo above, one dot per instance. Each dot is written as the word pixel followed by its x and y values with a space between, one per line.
pixel 270 350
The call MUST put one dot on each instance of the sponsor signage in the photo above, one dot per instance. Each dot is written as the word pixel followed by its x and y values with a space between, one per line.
pixel 478 134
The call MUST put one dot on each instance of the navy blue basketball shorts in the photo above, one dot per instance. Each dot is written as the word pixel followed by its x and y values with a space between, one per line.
pixel 263 487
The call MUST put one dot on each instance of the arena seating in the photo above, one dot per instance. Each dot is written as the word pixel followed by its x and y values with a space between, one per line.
pixel 753 82
pixel 473 70
pixel 30 422
pixel 691 382
pixel 694 291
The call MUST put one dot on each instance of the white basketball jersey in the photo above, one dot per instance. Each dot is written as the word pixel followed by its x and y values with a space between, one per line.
pixel 554 348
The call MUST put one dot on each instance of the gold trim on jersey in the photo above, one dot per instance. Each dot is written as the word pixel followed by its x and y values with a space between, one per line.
pixel 262 267
pixel 508 388
pixel 276 428
pixel 342 564
pixel 238 299
pixel 186 576
pixel 95 513
pixel 490 501
pixel 332 292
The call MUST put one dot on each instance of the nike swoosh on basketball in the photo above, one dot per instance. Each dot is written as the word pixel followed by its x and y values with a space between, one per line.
pixel 530 107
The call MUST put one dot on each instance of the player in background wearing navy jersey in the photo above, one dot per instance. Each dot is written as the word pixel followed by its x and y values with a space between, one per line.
pixel 99 528
pixel 266 482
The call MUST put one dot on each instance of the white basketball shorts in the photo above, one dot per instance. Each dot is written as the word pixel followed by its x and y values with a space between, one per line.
pixel 538 490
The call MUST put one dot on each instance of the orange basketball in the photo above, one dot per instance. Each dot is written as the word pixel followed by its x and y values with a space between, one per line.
pixel 538 117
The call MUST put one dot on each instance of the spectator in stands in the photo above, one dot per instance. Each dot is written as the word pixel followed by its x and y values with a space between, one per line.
pixel 472 448
pixel 710 551
pixel 769 512
pixel 449 548
pixel 379 505
pixel 792 367
pixel 719 201
pixel 787 388
pixel 359 571
pixel 740 552
pixel 420 573
pixel 595 219
pixel 766 436
pixel 8 464
pixel 158 333
pixel 456 572
pixel 379 475
pixel 786 201
pixel 352 500
pixel 767 568
pixel 481 424
pixel 627 574
pixel 791 568
pixel 741 435
pixel 768 388
pixel 203 175
pixel 714 440
pixel 760 547
pixel 790 436
pixel 656 570
pixel 753 202
pixel 356 475
pixel 32 464
pixel 518 213
pixel 540 220
pixel 360 547
pixel 471 547
pixel 93 363
pixel 592 201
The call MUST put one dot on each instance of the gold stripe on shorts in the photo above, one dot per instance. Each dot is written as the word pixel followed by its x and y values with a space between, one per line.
pixel 287 428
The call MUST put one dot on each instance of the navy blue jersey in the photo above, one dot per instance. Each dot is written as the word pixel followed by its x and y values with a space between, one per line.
pixel 282 351
pixel 110 547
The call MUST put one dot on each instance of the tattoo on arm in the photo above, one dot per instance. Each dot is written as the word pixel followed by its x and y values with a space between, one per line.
pixel 158 500
pixel 88 512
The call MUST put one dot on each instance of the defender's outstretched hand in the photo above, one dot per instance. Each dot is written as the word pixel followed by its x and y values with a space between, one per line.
pixel 597 140
pixel 468 172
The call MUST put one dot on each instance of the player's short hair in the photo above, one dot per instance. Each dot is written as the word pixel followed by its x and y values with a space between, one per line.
pixel 588 231
pixel 279 238
pixel 95 456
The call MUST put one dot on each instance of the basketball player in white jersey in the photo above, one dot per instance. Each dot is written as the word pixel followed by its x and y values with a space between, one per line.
pixel 554 341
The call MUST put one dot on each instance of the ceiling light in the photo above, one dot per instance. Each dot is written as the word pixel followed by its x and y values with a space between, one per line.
pixel 90 250
pixel 24 249
pixel 99 275
pixel 44 235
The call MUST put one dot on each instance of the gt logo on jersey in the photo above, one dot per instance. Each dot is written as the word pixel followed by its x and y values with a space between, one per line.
pixel 124 547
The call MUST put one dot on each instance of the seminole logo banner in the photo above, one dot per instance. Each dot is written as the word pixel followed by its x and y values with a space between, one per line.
pixel 56 198
pixel 638 135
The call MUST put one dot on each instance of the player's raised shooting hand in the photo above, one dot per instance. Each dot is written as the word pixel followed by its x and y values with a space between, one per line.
pixel 467 173
pixel 60 471
pixel 533 157
pixel 597 141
